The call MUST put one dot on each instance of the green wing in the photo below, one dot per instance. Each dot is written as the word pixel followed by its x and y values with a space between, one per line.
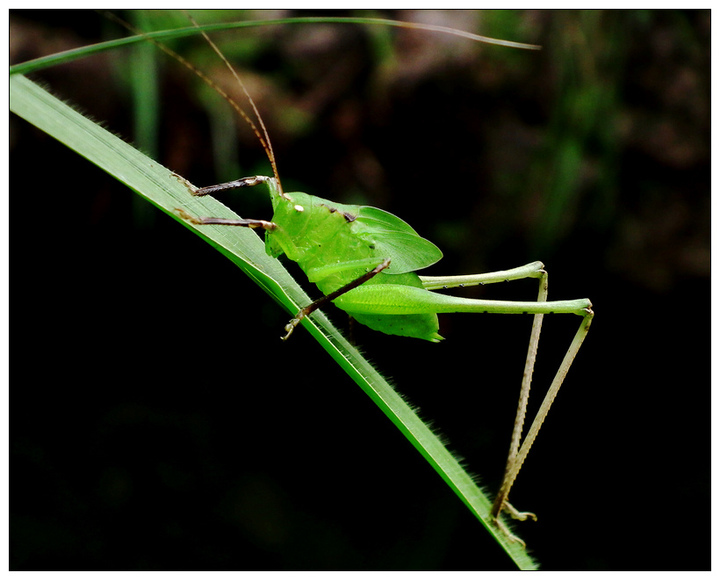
pixel 395 239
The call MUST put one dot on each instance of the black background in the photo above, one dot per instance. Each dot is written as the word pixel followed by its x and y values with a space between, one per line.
pixel 157 421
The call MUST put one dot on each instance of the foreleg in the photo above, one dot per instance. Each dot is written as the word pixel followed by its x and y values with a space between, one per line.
pixel 222 187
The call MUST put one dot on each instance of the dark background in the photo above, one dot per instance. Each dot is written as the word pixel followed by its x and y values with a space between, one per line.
pixel 136 444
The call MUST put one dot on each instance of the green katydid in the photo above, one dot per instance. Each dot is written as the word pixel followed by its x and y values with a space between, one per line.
pixel 364 260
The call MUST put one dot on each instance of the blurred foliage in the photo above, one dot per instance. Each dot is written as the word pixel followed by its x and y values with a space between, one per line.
pixel 541 143
pixel 557 154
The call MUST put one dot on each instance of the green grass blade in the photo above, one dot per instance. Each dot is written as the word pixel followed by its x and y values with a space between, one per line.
pixel 157 184
pixel 165 35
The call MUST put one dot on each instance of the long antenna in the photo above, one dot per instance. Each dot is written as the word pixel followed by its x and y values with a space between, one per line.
pixel 263 137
